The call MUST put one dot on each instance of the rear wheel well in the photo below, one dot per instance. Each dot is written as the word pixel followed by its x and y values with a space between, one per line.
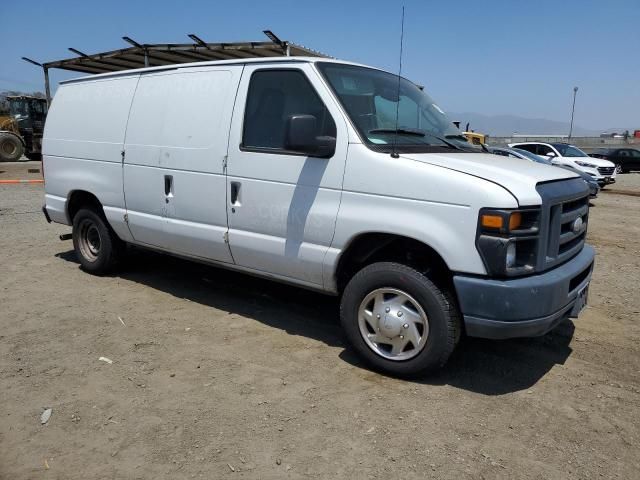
pixel 82 199
pixel 383 247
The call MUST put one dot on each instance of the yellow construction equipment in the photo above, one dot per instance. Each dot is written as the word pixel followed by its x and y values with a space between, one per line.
pixel 475 138
pixel 21 130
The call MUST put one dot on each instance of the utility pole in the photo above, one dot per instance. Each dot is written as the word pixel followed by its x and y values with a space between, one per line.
pixel 573 108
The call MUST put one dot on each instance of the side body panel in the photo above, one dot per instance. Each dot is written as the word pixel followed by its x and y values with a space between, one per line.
pixel 82 146
pixel 628 158
pixel 175 147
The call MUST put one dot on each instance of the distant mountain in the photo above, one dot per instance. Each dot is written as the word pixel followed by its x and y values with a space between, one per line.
pixel 505 125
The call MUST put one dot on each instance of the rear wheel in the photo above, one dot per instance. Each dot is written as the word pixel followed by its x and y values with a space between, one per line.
pixel 11 148
pixel 399 320
pixel 97 247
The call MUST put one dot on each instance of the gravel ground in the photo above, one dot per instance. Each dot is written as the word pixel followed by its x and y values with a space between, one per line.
pixel 20 171
pixel 219 375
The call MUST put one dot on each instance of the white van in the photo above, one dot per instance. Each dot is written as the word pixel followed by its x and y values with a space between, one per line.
pixel 297 169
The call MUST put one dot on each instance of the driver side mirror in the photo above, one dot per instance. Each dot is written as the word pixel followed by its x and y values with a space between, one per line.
pixel 303 136
pixel 550 155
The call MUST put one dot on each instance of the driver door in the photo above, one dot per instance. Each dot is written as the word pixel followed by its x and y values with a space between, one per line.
pixel 282 205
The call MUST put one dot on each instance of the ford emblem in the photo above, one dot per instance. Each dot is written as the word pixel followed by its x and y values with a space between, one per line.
pixel 577 225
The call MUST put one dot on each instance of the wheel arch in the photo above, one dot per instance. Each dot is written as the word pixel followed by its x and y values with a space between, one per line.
pixel 81 198
pixel 377 246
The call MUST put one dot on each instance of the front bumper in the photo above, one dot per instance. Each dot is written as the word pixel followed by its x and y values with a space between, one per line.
pixel 606 181
pixel 523 307
pixel 595 174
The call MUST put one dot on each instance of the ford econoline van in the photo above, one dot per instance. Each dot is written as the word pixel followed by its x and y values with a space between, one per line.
pixel 327 175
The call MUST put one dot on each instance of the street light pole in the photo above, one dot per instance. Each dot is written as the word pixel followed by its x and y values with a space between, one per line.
pixel 573 108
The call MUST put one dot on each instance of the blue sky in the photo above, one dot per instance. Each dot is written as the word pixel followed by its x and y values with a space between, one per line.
pixel 492 57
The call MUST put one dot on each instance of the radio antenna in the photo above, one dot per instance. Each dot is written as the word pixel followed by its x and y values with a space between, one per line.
pixel 394 154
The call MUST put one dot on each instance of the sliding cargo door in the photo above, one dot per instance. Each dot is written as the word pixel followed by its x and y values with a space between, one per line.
pixel 175 149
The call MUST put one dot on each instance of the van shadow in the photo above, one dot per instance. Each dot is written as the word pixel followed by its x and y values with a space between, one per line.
pixel 488 367
pixel 304 196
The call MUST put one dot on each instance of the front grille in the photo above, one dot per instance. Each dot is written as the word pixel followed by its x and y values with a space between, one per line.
pixel 565 214
pixel 606 171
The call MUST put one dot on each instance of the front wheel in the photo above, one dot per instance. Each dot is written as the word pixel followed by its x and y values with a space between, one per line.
pixel 399 320
pixel 619 168
pixel 97 247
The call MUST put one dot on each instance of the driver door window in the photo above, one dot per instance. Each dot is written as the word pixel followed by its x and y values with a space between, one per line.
pixel 273 97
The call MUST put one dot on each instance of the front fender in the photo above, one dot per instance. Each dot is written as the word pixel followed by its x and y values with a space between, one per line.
pixel 448 229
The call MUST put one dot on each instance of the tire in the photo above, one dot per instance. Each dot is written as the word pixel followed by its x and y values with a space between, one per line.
pixel 619 168
pixel 97 247
pixel 442 324
pixel 11 147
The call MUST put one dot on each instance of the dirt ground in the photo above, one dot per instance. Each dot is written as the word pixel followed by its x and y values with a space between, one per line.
pixel 219 375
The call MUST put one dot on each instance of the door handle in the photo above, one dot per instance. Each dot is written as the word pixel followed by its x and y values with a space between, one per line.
pixel 168 186
pixel 235 193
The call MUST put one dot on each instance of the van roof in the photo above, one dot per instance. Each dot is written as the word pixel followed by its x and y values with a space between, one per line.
pixel 239 61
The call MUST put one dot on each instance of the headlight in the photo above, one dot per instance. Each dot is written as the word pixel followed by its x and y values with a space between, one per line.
pixel 507 240
pixel 586 164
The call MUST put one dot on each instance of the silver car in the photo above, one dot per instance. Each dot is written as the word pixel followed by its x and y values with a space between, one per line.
pixel 594 187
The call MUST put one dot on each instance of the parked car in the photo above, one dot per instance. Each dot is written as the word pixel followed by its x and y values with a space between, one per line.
pixel 594 187
pixel 298 170
pixel 564 154
pixel 625 159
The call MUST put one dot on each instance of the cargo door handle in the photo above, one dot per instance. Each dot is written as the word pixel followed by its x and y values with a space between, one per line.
pixel 235 193
pixel 168 186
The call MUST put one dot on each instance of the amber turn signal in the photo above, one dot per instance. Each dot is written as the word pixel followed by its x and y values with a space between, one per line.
pixel 515 220
pixel 492 221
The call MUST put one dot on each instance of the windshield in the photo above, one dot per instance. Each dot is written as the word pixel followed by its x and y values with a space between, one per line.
pixel 569 150
pixel 371 100
pixel 18 107
pixel 533 156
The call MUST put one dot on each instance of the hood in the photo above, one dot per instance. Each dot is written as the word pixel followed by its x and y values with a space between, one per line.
pixel 518 176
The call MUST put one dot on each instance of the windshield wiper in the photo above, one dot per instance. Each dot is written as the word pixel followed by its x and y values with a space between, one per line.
pixel 462 137
pixel 457 135
pixel 446 142
pixel 404 131
pixel 415 132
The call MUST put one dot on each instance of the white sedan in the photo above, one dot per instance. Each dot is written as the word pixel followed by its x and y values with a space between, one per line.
pixel 603 171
